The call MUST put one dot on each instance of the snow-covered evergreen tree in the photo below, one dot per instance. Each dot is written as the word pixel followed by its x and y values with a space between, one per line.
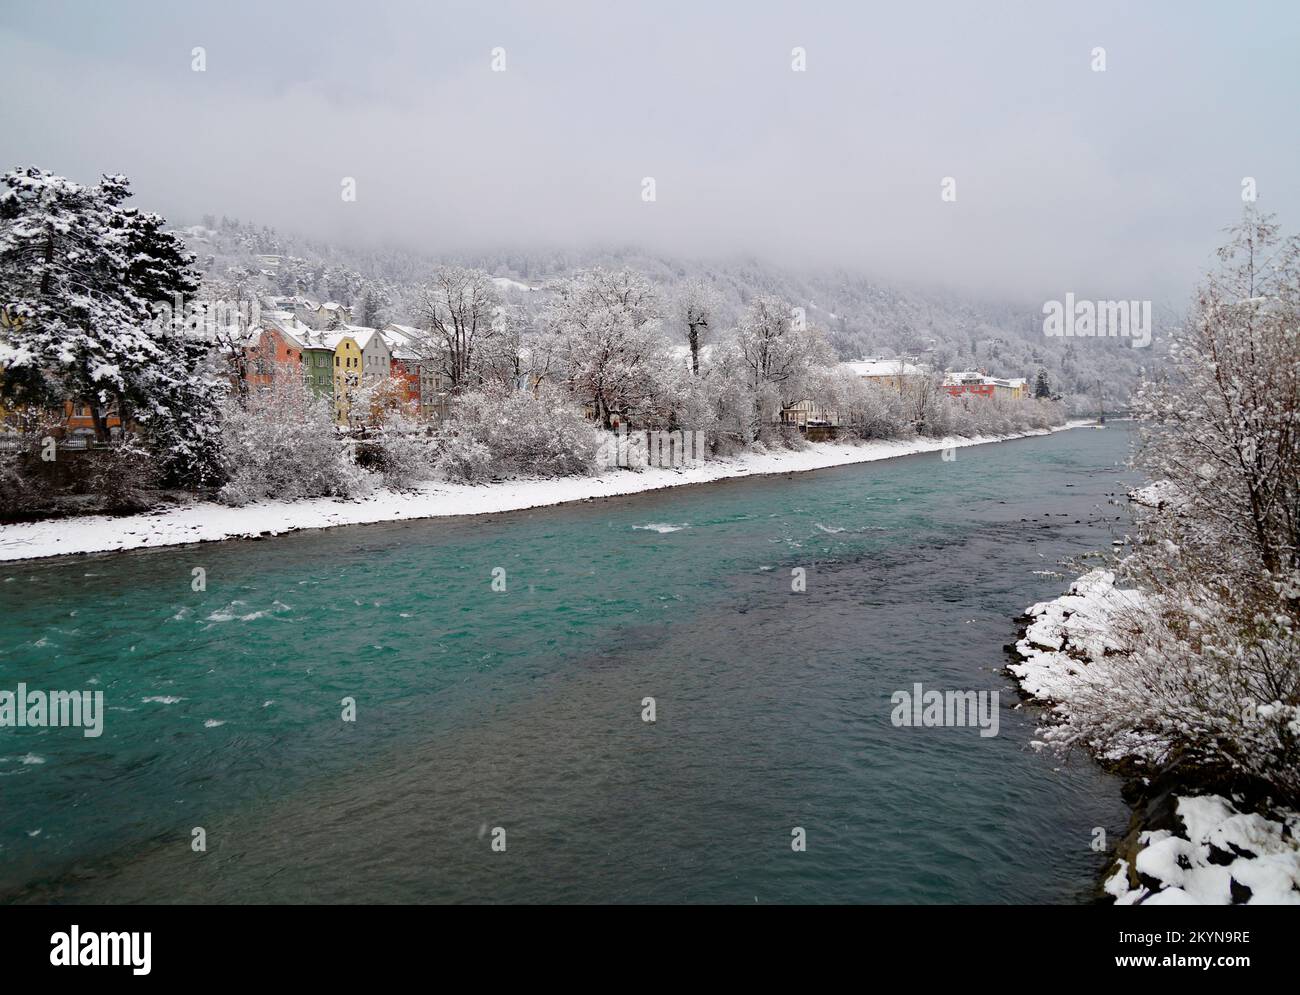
pixel 1042 385
pixel 89 287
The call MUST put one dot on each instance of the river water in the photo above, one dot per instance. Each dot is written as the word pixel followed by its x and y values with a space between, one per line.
pixel 480 711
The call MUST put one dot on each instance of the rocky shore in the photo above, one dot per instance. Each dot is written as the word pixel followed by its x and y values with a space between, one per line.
pixel 1189 841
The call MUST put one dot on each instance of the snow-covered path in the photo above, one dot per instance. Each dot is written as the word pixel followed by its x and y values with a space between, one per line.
pixel 209 522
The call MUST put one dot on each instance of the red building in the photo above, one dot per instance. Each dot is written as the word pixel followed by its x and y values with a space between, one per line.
pixel 974 382
pixel 406 369
pixel 978 389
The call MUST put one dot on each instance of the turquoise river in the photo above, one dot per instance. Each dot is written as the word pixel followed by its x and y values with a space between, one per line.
pixel 477 709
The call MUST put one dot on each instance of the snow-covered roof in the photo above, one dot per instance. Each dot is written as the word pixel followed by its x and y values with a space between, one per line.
pixel 408 331
pixel 363 336
pixel 883 368
pixel 954 379
pixel 331 340
pixel 505 283
pixel 401 340
pixel 302 335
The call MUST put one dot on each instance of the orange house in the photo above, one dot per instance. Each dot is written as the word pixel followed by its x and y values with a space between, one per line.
pixel 275 350
pixel 77 419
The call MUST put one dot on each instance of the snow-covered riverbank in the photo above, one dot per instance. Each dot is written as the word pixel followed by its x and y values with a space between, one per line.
pixel 1183 847
pixel 1215 853
pixel 209 522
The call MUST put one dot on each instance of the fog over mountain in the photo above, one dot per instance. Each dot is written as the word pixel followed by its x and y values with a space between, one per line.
pixel 1111 183
pixel 861 316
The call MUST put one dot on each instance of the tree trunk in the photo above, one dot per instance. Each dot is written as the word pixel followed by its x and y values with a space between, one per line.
pixel 100 422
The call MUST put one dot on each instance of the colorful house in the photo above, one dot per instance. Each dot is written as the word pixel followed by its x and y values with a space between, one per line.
pixel 347 372
pixel 314 359
pixel 968 382
pixel 1014 389
pixel 275 351
pixel 376 356
pixel 977 384
pixel 406 367
pixel 421 375
pixel 78 422
pixel 318 367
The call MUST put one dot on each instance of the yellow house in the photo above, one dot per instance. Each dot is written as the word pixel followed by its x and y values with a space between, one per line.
pixel 1013 389
pixel 347 373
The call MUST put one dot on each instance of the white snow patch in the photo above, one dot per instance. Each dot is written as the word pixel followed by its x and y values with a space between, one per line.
pixel 1263 855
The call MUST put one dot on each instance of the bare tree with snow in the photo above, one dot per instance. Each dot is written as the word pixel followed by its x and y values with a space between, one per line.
pixel 459 308
pixel 607 337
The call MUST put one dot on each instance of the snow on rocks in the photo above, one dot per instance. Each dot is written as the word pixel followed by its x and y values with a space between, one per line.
pixel 1223 856
pixel 1202 849
pixel 1068 649
pixel 1159 495
pixel 1067 638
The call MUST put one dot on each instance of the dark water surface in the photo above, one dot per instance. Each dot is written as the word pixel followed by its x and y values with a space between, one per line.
pixel 522 709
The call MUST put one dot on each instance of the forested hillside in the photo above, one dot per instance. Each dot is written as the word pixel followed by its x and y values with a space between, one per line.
pixel 862 318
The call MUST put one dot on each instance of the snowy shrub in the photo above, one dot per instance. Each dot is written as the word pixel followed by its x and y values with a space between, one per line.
pixel 865 410
pixel 948 416
pixel 402 450
pixel 284 445
pixel 17 492
pixel 1210 663
pixel 465 458
pixel 502 434
pixel 777 437
pixel 976 416
pixel 120 476
pixel 1212 680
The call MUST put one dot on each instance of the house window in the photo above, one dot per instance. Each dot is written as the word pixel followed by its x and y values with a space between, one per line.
pixel 336 361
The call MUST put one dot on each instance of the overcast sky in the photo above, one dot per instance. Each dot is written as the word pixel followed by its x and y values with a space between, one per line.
pixel 1110 184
